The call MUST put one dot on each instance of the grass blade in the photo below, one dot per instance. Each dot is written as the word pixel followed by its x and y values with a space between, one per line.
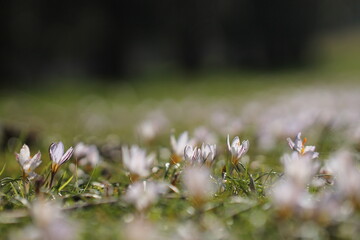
pixel 66 183
pixel 3 169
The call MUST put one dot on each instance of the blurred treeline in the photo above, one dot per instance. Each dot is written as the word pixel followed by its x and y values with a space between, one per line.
pixel 111 39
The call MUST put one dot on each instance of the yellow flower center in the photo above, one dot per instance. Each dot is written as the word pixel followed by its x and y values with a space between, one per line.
pixel 303 146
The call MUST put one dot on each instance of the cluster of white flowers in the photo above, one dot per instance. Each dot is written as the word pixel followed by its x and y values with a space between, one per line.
pixel 204 155
pixel 190 165
pixel 290 194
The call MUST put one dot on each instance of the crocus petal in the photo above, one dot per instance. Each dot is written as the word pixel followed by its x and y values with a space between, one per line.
pixel 56 152
pixel 24 155
pixel 236 142
pixel 291 143
pixel 125 155
pixel 188 152
pixel 246 145
pixel 25 152
pixel 309 149
pixel 228 142
pixel 150 159
pixel 35 161
pixel 173 142
pixel 182 141
pixel 36 157
pixel 66 156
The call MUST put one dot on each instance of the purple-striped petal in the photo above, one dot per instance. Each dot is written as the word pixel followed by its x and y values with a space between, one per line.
pixel 66 156
pixel 56 152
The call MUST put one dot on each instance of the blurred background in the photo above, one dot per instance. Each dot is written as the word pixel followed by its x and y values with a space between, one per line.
pixel 111 41
pixel 131 71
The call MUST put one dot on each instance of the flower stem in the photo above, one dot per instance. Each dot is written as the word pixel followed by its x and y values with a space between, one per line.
pixel 51 179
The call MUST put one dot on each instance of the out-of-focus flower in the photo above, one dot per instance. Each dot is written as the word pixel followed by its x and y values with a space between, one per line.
pixel 136 161
pixel 330 207
pixel 289 194
pixel 140 229
pixel 87 155
pixel 144 194
pixel 179 145
pixel 28 163
pixel 204 155
pixel 57 155
pixel 51 223
pixel 198 184
pixel 236 149
pixel 209 228
pixel 327 174
pixel 298 145
pixel 154 124
pixel 300 169
pixel 346 176
pixel 288 198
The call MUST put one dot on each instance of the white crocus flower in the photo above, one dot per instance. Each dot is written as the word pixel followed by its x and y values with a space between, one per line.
pixel 57 155
pixel 198 184
pixel 208 152
pixel 136 161
pixel 204 155
pixel 143 194
pixel 298 145
pixel 179 145
pixel 192 155
pixel 236 149
pixel 28 163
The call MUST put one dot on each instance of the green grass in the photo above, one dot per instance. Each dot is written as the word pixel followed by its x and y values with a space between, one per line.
pixel 62 112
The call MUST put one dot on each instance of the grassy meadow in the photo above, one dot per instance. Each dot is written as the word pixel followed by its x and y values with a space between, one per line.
pixel 143 172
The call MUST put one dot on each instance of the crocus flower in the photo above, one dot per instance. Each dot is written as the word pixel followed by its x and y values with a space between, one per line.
pixel 236 149
pixel 58 158
pixel 28 163
pixel 57 155
pixel 178 146
pixel 204 155
pixel 298 145
pixel 136 161
pixel 208 152
pixel 192 155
